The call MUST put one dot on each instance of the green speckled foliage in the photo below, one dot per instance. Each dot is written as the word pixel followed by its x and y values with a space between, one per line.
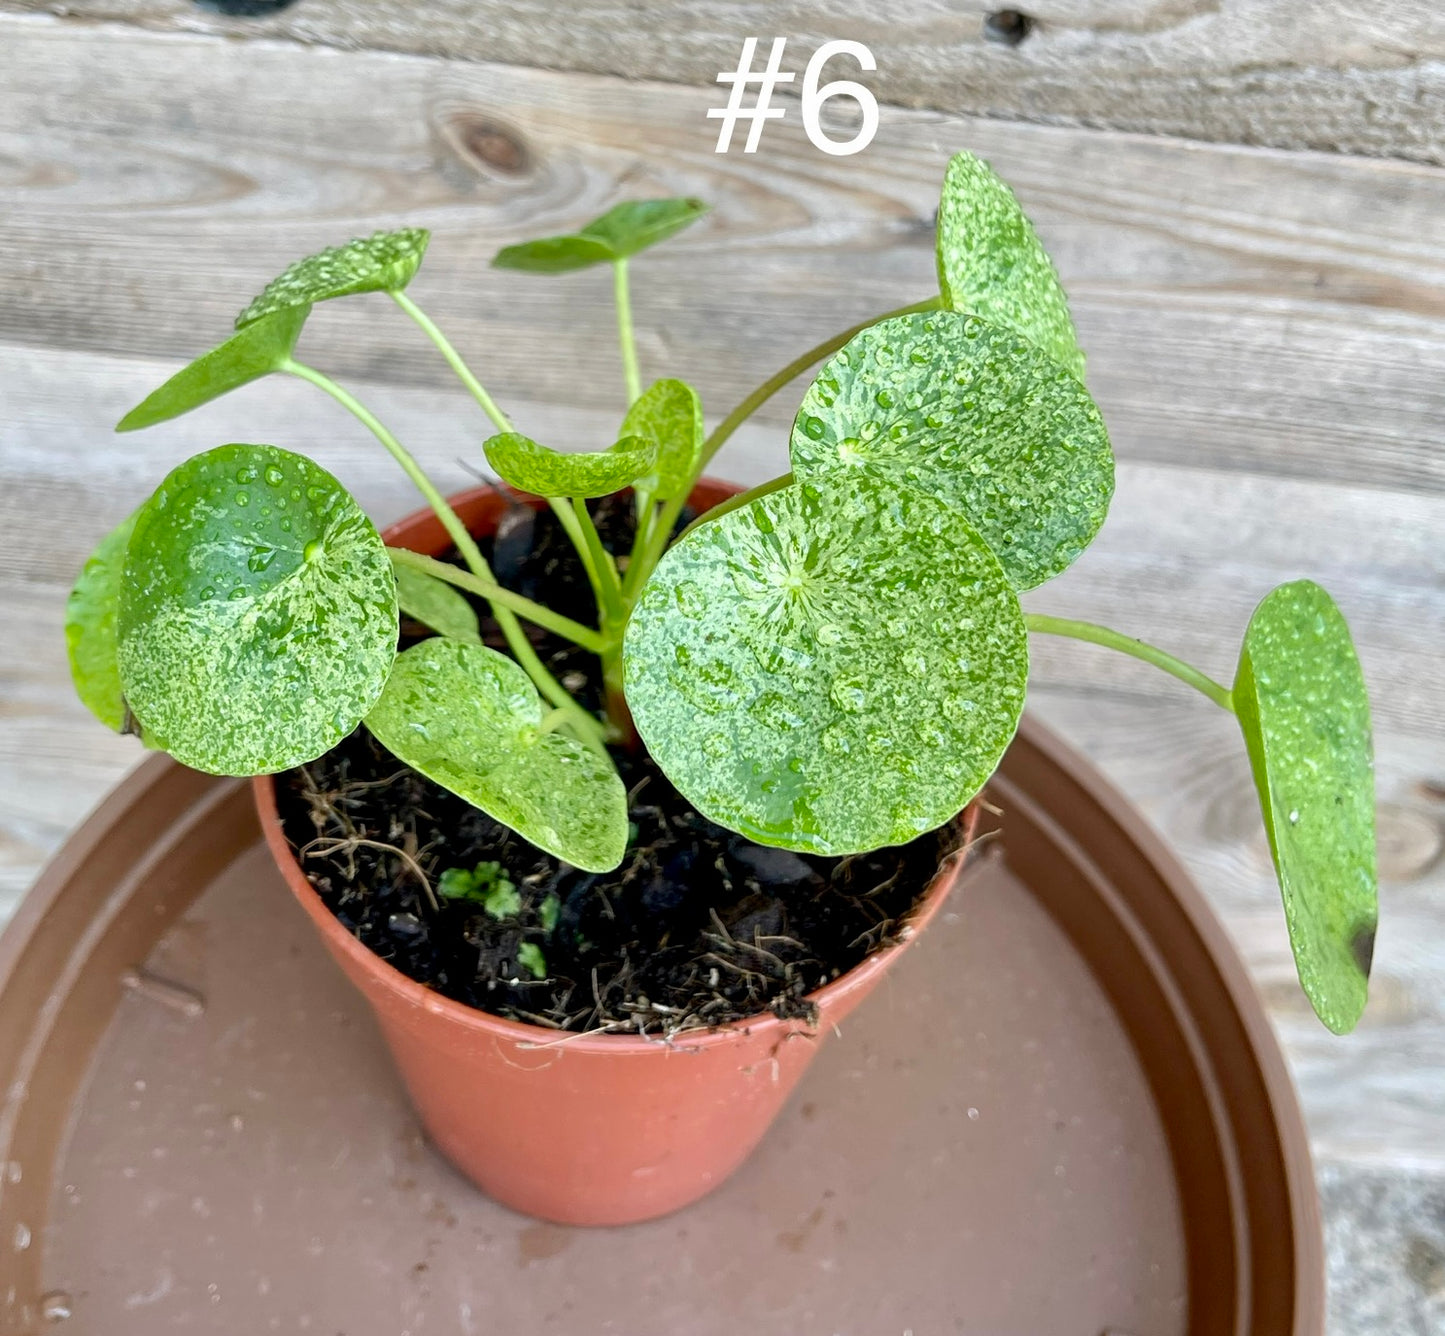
pixel 542 471
pixel 257 618
pixel 469 719
pixel 973 414
pixel 618 234
pixel 382 262
pixel 831 662
pixel 90 635
pixel 830 669
pixel 435 604
pixel 258 350
pixel 1302 707
pixel 670 413
pixel 991 262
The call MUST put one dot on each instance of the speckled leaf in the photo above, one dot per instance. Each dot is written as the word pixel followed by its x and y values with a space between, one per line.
pixel 435 604
pixel 470 719
pixel 620 232
pixel 90 628
pixel 971 413
pixel 670 413
pixel 538 469
pixel 257 615
pixel 1301 701
pixel 830 669
pixel 991 262
pixel 256 351
pixel 382 262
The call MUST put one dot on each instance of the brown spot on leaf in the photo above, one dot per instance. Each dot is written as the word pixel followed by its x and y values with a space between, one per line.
pixel 1362 947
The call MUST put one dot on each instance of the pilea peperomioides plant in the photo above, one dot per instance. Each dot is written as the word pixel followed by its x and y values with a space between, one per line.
pixel 832 662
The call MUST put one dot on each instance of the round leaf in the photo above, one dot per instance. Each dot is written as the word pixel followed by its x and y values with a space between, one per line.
pixel 382 262
pixel 435 603
pixel 542 471
pixel 1302 707
pixel 670 413
pixel 620 232
pixel 828 669
pixel 90 628
pixel 471 720
pixel 257 616
pixel 991 262
pixel 971 413
pixel 256 351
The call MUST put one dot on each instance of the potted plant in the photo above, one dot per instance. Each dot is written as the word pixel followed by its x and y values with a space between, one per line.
pixel 663 775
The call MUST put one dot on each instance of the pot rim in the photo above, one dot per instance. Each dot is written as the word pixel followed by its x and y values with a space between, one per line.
pixel 424 522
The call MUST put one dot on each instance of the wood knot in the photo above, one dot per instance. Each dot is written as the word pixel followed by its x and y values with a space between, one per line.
pixel 486 144
pixel 244 9
pixel 1008 27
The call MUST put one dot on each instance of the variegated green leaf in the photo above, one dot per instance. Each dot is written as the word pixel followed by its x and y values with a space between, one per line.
pixel 620 232
pixel 1302 707
pixel 670 413
pixel 435 603
pixel 90 628
pixel 257 618
pixel 471 720
pixel 542 471
pixel 831 667
pixel 991 262
pixel 382 262
pixel 256 351
pixel 974 414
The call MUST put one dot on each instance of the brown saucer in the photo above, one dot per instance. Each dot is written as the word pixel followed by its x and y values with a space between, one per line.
pixel 1067 1115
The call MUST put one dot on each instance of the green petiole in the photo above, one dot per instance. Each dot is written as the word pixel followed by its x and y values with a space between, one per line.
pixel 536 613
pixel 625 337
pixel 1138 649
pixel 454 360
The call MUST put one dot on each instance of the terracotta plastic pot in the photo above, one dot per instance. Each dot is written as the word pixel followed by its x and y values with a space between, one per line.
pixel 583 1129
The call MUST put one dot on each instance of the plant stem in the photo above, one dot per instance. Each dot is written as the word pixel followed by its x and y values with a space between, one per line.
pixel 795 368
pixel 613 615
pixel 625 338
pixel 586 727
pixel 454 360
pixel 1103 635
pixel 638 571
pixel 737 502
pixel 585 636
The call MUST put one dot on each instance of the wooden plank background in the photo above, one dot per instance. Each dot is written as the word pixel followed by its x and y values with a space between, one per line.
pixel 1349 75
pixel 1266 332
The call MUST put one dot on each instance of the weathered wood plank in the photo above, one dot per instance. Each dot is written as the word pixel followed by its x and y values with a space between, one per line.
pixel 1246 310
pixel 1346 75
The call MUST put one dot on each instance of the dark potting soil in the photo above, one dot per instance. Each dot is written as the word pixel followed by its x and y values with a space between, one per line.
pixel 697 927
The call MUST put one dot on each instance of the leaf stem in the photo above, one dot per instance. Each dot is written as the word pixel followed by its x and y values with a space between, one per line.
pixel 586 727
pixel 638 571
pixel 795 368
pixel 454 360
pixel 611 597
pixel 625 338
pixel 737 502
pixel 585 636
pixel 1116 640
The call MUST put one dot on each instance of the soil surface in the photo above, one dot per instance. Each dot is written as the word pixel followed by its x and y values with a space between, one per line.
pixel 697 927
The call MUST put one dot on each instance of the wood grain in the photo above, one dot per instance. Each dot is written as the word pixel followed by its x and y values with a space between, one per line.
pixel 1345 75
pixel 1245 310
pixel 1266 331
